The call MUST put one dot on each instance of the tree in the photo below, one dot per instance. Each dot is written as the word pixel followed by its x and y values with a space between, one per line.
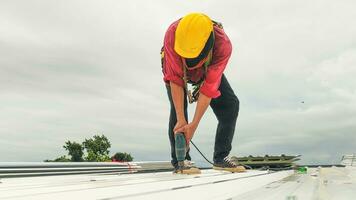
pixel 59 159
pixel 75 150
pixel 92 157
pixel 122 156
pixel 97 148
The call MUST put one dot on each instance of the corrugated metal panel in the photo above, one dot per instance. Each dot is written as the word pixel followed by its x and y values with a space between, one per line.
pixel 8 170
pixel 210 184
pixel 336 183
pixel 349 160
pixel 333 183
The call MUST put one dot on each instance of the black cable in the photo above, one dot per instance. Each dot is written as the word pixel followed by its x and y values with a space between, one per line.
pixel 201 152
pixel 249 167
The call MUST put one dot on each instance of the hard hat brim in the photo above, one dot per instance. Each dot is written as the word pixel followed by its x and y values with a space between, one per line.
pixel 187 54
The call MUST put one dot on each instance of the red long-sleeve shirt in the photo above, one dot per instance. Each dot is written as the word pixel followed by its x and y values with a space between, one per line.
pixel 172 63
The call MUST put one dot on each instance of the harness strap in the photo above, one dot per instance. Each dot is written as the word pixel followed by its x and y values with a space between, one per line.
pixel 193 96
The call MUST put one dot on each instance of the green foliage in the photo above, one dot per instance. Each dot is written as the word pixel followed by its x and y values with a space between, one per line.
pixel 97 148
pixel 122 156
pixel 92 157
pixel 59 159
pixel 75 150
pixel 98 144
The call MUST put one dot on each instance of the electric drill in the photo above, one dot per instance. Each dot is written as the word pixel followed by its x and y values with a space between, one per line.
pixel 181 150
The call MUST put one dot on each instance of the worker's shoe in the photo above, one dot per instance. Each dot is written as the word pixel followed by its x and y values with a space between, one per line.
pixel 188 168
pixel 228 165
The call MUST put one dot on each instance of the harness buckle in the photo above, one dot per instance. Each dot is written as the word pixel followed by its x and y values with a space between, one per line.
pixel 191 99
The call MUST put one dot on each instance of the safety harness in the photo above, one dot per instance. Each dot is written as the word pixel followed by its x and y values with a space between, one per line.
pixel 193 96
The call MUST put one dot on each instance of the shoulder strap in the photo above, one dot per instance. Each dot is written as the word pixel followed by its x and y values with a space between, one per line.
pixel 218 24
pixel 193 96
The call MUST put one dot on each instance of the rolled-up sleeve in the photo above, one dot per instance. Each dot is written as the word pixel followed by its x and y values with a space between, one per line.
pixel 212 81
pixel 172 64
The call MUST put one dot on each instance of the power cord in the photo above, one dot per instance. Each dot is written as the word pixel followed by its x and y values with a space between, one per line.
pixel 246 166
pixel 201 153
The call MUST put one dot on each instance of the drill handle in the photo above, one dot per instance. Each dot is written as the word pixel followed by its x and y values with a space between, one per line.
pixel 180 146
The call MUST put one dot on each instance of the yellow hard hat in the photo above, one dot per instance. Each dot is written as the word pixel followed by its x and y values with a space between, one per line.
pixel 191 34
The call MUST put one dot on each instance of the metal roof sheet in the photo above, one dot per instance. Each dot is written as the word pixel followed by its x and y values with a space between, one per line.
pixel 337 183
pixel 210 184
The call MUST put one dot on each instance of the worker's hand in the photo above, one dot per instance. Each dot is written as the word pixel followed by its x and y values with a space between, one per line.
pixel 188 131
pixel 179 124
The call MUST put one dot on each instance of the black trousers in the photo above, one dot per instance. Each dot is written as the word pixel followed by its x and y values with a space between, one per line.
pixel 225 108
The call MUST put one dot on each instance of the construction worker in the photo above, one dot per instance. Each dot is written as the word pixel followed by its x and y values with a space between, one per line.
pixel 196 51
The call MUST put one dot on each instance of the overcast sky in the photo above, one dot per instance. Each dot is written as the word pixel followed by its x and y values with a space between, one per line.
pixel 73 69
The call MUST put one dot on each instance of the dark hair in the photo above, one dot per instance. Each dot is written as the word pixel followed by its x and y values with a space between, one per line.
pixel 191 62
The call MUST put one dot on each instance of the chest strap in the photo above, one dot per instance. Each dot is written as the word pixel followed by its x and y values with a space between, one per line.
pixel 193 96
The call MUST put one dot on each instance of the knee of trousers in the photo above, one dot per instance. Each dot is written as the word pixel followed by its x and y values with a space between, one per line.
pixel 230 111
pixel 235 107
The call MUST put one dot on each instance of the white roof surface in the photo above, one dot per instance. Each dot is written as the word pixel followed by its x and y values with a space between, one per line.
pixel 326 183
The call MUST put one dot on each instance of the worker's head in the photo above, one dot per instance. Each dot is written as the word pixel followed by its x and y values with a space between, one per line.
pixel 194 37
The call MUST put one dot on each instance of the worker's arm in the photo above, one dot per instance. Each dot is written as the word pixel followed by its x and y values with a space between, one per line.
pixel 177 93
pixel 202 105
